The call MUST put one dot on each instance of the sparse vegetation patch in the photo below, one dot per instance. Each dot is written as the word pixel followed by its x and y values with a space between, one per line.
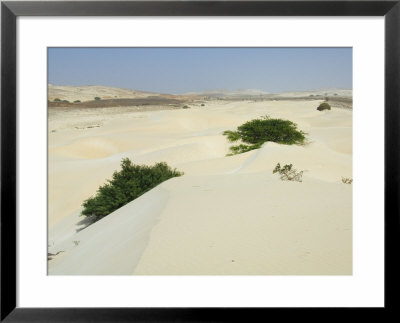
pixel 347 180
pixel 288 173
pixel 239 149
pixel 126 185
pixel 324 106
pixel 255 132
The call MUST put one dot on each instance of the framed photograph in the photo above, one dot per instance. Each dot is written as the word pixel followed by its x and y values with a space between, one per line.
pixel 198 160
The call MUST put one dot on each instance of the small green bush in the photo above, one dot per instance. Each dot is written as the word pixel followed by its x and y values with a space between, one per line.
pixel 126 185
pixel 202 104
pixel 257 131
pixel 57 100
pixel 97 98
pixel 324 106
pixel 77 101
pixel 65 101
pixel 288 173
pixel 185 107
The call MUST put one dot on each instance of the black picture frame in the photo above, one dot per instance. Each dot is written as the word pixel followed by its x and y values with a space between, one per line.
pixel 11 10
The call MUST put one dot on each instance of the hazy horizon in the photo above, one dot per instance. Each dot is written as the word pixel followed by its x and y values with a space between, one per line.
pixel 206 91
pixel 183 70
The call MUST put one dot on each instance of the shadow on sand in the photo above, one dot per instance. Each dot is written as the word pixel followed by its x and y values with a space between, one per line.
pixel 84 223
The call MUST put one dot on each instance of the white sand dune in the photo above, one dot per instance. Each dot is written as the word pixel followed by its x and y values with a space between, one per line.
pixel 226 215
pixel 105 246
pixel 245 224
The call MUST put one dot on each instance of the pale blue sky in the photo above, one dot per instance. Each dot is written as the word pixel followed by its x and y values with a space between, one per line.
pixel 180 70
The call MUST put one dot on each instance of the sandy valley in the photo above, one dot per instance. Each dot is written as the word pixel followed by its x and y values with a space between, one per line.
pixel 227 215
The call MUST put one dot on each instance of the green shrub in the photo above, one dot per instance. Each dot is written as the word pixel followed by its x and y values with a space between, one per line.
pixel 65 101
pixel 239 149
pixel 258 131
pixel 97 98
pixel 288 173
pixel 77 101
pixel 185 107
pixel 57 100
pixel 231 135
pixel 126 185
pixel 202 104
pixel 324 106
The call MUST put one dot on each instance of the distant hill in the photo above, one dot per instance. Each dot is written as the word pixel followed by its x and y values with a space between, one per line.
pixel 90 92
pixel 231 94
pixel 253 93
pixel 323 93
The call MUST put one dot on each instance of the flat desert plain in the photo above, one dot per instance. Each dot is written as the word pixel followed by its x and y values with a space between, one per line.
pixel 227 215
